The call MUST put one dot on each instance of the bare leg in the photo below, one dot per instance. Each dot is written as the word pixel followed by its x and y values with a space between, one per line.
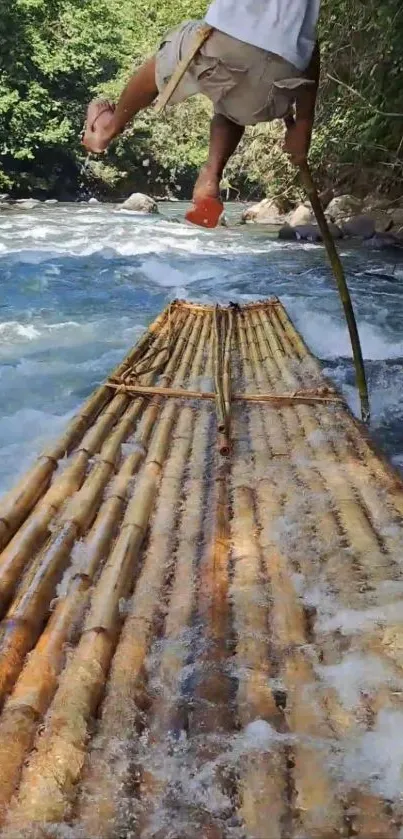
pixel 225 137
pixel 104 121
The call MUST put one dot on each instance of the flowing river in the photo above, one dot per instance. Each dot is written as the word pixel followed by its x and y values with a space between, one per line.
pixel 80 282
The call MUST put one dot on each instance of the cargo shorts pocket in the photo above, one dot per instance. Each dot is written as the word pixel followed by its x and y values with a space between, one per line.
pixel 284 94
pixel 215 79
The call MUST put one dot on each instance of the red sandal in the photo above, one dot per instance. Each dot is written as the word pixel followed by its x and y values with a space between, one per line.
pixel 205 213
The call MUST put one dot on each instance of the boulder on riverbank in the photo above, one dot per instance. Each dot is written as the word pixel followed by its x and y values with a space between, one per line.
pixel 366 225
pixel 342 207
pixel 302 215
pixel 307 232
pixel 384 241
pixel 140 203
pixel 265 212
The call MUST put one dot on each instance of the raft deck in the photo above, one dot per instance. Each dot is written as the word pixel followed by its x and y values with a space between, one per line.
pixel 200 589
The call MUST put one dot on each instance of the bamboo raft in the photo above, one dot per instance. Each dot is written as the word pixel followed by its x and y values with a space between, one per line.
pixel 201 595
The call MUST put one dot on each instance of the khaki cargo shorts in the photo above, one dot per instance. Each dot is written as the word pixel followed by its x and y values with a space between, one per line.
pixel 246 84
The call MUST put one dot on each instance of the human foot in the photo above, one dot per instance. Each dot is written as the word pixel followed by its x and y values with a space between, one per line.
pixel 207 205
pixel 206 186
pixel 100 126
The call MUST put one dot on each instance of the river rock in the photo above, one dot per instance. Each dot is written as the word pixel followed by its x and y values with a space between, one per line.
pixel 302 215
pixel 51 201
pixel 344 206
pixel 27 203
pixel 384 241
pixel 375 202
pixel 266 212
pixel 307 232
pixel 93 201
pixel 287 233
pixel 139 203
pixel 362 226
pixel 396 216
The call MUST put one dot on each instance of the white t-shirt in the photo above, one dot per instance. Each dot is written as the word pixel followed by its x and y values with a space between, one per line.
pixel 284 27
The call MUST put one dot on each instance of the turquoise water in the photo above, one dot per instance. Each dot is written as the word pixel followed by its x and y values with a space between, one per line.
pixel 80 282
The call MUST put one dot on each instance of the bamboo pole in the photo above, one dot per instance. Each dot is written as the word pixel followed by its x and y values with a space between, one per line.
pixel 17 504
pixel 335 261
pixel 104 784
pixel 353 517
pixel 307 398
pixel 36 528
pixel 368 807
pixel 227 389
pixel 335 470
pixel 200 38
pixel 38 681
pixel 170 709
pixel 42 797
pixel 107 770
pixel 220 341
pixel 167 705
pixel 375 503
pixel 380 469
pixel 320 812
pixel 212 718
pixel 341 575
pixel 263 771
pixel 25 618
pixel 107 774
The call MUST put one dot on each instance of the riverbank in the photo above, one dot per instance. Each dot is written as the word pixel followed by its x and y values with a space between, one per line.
pixel 374 221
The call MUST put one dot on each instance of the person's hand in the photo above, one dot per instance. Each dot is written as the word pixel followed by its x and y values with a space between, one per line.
pixel 100 126
pixel 298 140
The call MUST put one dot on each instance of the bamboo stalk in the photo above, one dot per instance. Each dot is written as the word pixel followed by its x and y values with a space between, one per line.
pixel 212 713
pixel 17 504
pixel 170 707
pixel 28 612
pixel 166 706
pixel 205 308
pixel 335 261
pixel 104 608
pixel 35 530
pixel 222 416
pixel 381 470
pixel 368 807
pixel 352 516
pixel 227 362
pixel 263 774
pixel 308 398
pixel 42 797
pixel 378 507
pixel 200 38
pixel 320 812
pixel 294 339
pixel 107 771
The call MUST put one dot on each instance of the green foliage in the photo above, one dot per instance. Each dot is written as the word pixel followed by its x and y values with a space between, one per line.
pixel 56 54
